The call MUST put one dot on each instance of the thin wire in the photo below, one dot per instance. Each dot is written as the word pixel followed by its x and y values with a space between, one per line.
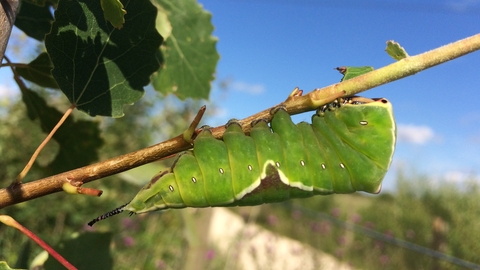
pixel 382 237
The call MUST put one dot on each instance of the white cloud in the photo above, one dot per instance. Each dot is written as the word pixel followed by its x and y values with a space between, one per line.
pixel 414 134
pixel 7 92
pixel 253 89
pixel 457 176
pixel 461 179
pixel 462 5
pixel 220 112
pixel 217 117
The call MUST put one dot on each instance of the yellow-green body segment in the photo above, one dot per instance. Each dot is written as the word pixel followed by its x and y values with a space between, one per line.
pixel 346 148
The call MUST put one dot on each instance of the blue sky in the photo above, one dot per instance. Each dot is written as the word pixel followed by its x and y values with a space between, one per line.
pixel 269 47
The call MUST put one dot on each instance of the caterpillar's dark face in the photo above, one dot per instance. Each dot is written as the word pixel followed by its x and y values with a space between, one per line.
pixel 348 147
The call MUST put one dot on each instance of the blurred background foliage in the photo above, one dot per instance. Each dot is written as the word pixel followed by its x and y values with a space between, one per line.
pixel 57 217
pixel 442 218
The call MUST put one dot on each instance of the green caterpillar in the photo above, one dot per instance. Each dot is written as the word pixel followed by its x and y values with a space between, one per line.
pixel 348 147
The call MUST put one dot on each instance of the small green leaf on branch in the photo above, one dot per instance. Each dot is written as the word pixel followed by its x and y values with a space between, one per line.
pixel 396 51
pixel 352 72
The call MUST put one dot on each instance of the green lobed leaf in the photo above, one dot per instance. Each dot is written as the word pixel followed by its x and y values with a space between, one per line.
pixel 99 68
pixel 39 71
pixel 79 141
pixel 34 20
pixel 352 72
pixel 114 12
pixel 189 51
pixel 396 51
pixel 86 251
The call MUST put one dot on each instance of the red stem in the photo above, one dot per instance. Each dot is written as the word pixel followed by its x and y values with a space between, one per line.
pixel 9 221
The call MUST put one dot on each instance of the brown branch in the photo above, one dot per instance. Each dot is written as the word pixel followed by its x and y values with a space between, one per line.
pixel 27 191
pixel 294 104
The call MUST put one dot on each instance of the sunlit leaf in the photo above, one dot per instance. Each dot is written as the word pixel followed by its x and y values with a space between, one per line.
pixel 164 27
pixel 396 51
pixel 189 51
pixel 98 67
pixel 114 12
pixel 39 71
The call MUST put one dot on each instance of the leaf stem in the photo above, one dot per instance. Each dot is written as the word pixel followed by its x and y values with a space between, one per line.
pixel 9 221
pixel 25 170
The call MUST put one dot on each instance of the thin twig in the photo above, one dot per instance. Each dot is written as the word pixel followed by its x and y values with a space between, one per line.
pixel 23 89
pixel 189 134
pixel 294 104
pixel 27 168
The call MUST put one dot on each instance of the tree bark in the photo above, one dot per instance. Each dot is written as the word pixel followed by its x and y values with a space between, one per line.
pixel 8 13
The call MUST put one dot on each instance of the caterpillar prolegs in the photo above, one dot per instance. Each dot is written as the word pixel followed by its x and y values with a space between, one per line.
pixel 348 147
